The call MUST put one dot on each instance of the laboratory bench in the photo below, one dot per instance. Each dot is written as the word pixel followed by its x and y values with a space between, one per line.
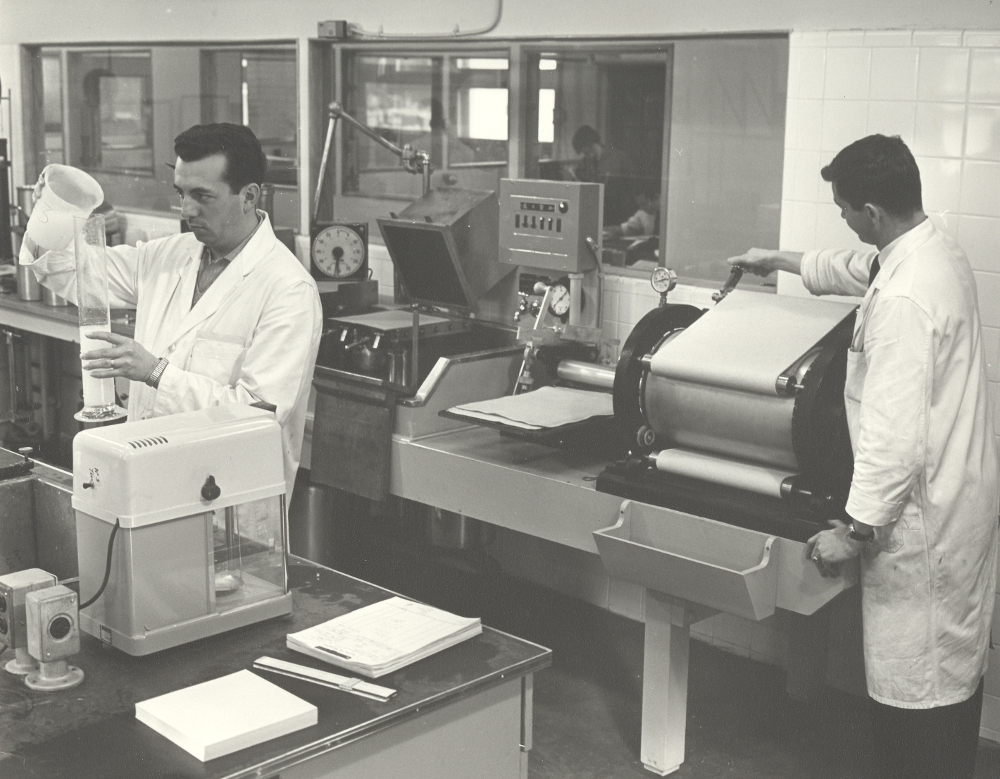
pixel 464 712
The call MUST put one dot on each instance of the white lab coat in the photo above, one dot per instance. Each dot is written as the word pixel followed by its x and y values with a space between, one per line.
pixel 925 465
pixel 252 336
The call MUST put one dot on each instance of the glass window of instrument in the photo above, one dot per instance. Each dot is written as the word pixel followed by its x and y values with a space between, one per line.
pixel 115 111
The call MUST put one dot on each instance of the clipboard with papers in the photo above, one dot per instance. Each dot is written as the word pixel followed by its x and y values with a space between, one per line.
pixel 381 638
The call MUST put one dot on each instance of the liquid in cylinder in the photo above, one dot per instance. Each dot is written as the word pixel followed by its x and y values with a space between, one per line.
pixel 97 393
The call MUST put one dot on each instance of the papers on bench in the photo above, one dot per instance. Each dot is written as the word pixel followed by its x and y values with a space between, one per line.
pixel 384 637
pixel 227 714
pixel 547 407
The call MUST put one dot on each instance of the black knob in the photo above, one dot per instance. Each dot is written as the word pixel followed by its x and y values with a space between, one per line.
pixel 210 490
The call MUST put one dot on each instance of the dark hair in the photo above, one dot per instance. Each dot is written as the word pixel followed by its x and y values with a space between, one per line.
pixel 584 137
pixel 879 170
pixel 245 160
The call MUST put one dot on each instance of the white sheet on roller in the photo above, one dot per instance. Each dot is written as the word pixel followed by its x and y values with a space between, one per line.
pixel 543 408
pixel 748 340
pixel 718 470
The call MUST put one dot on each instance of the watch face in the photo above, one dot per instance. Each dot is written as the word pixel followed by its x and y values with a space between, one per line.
pixel 559 302
pixel 338 251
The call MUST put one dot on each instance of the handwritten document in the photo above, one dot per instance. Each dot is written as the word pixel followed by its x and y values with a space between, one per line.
pixel 384 636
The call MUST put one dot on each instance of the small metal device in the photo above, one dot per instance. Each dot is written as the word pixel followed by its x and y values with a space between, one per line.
pixel 181 527
pixel 339 251
pixel 14 589
pixel 545 224
pixel 53 635
pixel 663 280
pixel 548 226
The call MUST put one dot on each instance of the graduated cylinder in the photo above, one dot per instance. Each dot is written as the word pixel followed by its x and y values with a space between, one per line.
pixel 95 315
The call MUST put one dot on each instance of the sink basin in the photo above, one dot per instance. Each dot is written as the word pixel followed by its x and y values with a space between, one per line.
pixel 37 523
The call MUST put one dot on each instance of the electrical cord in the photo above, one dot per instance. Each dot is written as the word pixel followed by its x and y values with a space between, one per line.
pixel 107 569
pixel 358 32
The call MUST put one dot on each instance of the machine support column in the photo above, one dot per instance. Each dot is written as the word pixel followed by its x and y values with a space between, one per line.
pixel 664 682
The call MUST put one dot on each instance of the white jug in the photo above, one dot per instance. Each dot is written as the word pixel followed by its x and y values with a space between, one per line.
pixel 68 192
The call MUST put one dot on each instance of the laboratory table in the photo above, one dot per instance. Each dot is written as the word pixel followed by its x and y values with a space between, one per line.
pixel 465 711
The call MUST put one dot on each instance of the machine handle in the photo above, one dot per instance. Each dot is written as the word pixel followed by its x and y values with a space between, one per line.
pixel 735 274
pixel 210 490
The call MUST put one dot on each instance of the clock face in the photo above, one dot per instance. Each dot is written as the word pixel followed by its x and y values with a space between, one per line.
pixel 560 300
pixel 338 251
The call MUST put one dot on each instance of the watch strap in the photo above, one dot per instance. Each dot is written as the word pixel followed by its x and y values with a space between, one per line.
pixel 864 538
pixel 153 380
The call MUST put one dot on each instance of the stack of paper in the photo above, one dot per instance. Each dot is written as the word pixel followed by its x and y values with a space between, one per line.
pixel 381 638
pixel 224 715
pixel 544 408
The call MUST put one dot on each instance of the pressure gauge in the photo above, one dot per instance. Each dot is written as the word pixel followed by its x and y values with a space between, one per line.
pixel 559 300
pixel 663 279
pixel 339 251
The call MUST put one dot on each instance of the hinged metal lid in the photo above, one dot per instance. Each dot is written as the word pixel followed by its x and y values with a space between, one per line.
pixel 445 247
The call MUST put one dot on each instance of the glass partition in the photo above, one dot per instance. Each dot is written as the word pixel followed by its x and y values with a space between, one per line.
pixel 452 107
pixel 115 111
pixel 603 116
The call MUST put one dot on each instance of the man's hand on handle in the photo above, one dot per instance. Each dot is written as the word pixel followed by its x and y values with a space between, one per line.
pixel 763 262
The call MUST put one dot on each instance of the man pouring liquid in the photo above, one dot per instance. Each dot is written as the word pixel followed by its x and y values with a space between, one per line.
pixel 224 313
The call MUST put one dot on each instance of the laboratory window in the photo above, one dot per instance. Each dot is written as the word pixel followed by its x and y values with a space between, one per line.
pixel 690 130
pixel 687 137
pixel 455 108
pixel 115 111
pixel 603 117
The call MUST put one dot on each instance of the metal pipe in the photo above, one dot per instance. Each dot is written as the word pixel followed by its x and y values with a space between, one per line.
pixel 330 128
pixel 339 113
pixel 586 373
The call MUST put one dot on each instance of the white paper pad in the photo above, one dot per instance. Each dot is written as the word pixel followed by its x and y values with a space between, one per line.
pixel 224 715
pixel 547 407
pixel 748 340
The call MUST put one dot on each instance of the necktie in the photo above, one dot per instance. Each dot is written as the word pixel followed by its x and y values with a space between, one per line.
pixel 874 271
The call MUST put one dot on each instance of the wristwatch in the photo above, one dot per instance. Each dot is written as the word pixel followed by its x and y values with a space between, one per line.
pixel 864 538
pixel 153 380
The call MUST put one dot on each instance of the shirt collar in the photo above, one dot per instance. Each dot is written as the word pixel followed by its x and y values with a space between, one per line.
pixel 207 255
pixel 894 252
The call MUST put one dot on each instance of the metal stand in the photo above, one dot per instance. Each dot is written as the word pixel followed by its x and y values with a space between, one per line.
pixel 414 160
pixel 22 664
pixel 664 682
pixel 57 675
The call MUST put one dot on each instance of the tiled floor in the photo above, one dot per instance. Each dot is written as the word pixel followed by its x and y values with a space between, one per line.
pixel 587 705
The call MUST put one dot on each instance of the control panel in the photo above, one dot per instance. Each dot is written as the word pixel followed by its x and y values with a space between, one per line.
pixel 546 224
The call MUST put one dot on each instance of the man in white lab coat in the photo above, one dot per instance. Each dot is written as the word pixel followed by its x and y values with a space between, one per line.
pixel 224 313
pixel 922 509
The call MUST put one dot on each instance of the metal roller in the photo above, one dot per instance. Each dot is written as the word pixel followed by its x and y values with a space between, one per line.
pixel 799 428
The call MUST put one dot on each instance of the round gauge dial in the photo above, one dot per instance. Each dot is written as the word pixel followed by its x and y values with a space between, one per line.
pixel 338 251
pixel 559 301
pixel 663 279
